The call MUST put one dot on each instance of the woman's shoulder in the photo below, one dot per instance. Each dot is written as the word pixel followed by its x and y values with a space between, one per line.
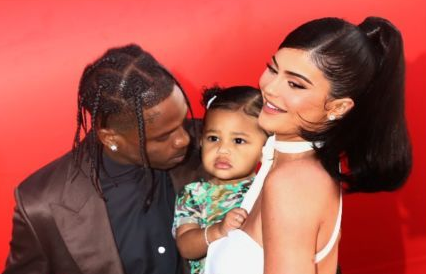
pixel 303 170
pixel 303 180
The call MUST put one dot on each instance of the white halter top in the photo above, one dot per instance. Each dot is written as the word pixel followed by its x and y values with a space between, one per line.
pixel 238 252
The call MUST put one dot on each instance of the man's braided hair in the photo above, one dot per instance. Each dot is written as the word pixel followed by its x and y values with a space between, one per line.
pixel 114 90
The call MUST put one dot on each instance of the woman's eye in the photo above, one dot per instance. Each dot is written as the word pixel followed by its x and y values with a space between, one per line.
pixel 212 138
pixel 239 141
pixel 294 85
pixel 271 68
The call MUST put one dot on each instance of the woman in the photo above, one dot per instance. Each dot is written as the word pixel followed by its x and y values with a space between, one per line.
pixel 332 92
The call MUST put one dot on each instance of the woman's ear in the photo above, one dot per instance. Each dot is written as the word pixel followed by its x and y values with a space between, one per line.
pixel 337 108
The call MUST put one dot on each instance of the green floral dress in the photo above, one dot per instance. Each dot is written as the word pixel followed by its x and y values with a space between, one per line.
pixel 204 203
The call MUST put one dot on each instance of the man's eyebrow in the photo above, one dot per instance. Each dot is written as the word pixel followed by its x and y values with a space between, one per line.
pixel 299 76
pixel 171 130
pixel 151 117
pixel 168 131
pixel 165 133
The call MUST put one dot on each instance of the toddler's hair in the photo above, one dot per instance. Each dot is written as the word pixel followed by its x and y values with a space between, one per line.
pixel 246 98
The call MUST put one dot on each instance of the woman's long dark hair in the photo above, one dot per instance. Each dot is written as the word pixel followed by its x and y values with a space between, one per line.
pixel 366 64
pixel 114 90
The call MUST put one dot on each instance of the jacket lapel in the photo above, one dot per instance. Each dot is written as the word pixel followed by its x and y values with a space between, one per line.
pixel 83 223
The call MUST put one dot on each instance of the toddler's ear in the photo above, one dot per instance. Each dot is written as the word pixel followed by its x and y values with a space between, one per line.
pixel 201 143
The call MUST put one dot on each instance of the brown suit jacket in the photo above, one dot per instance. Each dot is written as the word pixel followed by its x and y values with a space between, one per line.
pixel 61 225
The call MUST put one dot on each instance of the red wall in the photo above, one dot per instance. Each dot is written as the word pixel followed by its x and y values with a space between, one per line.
pixel 44 46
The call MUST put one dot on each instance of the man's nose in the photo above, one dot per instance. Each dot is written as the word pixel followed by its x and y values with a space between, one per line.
pixel 182 139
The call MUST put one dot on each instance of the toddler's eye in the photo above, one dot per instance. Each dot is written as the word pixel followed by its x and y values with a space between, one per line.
pixel 212 138
pixel 239 141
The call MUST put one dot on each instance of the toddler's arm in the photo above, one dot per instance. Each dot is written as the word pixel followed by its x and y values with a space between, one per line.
pixel 191 239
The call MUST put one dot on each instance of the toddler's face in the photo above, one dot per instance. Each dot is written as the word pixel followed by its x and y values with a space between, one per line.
pixel 231 145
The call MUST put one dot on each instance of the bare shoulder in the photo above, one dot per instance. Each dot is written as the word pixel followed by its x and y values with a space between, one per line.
pixel 294 204
pixel 301 184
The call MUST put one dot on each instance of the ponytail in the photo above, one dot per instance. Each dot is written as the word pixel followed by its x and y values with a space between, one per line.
pixel 364 63
pixel 382 161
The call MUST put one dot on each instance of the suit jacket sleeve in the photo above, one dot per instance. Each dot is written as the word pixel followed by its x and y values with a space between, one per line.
pixel 26 255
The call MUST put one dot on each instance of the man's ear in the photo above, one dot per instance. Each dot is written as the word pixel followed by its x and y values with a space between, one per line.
pixel 108 137
pixel 339 107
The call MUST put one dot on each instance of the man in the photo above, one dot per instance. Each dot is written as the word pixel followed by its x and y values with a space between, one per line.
pixel 107 206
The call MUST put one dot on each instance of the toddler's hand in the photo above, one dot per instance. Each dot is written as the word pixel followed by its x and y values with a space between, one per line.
pixel 233 220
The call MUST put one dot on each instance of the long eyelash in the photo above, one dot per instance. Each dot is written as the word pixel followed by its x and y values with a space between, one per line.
pixel 296 85
pixel 269 66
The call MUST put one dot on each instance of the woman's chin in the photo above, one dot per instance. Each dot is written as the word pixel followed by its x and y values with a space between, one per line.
pixel 267 125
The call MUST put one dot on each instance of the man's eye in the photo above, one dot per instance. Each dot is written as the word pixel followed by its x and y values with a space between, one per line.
pixel 212 138
pixel 239 141
pixel 162 138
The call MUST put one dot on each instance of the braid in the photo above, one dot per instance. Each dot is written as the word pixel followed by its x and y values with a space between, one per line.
pixel 142 151
pixel 77 143
pixel 141 129
pixel 95 146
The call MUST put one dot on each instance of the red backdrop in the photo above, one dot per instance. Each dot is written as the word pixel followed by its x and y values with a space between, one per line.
pixel 44 46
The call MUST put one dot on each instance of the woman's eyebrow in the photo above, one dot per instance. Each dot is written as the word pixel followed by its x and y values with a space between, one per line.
pixel 275 61
pixel 299 76
pixel 291 72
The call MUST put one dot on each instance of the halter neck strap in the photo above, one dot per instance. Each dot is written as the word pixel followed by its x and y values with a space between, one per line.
pixel 293 147
pixel 267 158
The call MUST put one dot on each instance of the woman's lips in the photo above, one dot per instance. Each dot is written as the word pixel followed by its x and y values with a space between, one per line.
pixel 271 108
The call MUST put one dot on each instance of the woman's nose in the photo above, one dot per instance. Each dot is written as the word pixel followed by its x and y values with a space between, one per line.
pixel 271 87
